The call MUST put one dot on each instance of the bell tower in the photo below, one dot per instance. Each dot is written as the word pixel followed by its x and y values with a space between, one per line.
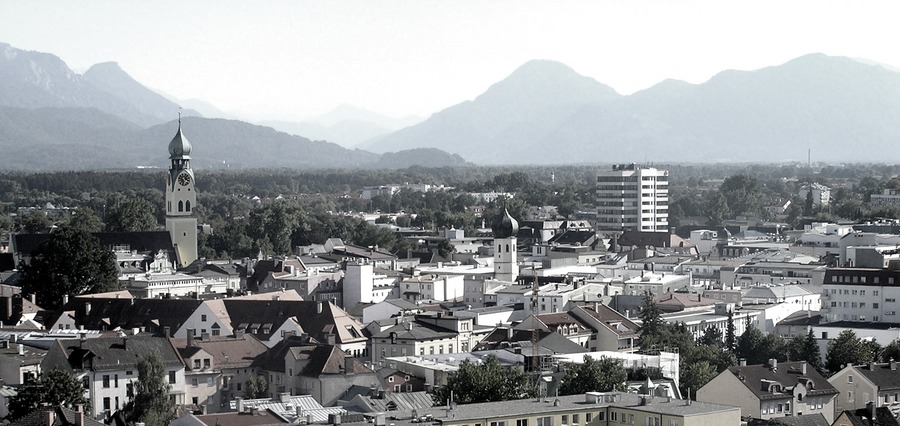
pixel 181 200
pixel 506 267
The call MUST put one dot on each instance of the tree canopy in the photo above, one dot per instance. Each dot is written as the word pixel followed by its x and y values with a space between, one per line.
pixel 150 403
pixel 70 262
pixel 54 387
pixel 593 375
pixel 487 381
pixel 847 348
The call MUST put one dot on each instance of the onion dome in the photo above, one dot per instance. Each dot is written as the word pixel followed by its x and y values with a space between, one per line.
pixel 505 226
pixel 180 147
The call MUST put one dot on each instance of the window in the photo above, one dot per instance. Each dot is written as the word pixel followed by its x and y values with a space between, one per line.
pixel 574 419
pixel 209 381
pixel 202 317
pixel 206 363
pixel 196 364
pixel 106 405
pixel 397 388
pixel 194 382
pixel 409 388
pixel 849 379
pixel 86 382
pixel 565 419
pixel 522 422
pixel 545 421
pixel 613 416
pixel 498 423
pixel 106 380
pixel 116 380
pixel 171 377
pixel 587 417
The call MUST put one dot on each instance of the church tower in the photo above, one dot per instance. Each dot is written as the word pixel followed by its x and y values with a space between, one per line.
pixel 181 199
pixel 506 267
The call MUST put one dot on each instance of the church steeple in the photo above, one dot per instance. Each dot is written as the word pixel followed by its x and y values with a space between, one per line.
pixel 181 199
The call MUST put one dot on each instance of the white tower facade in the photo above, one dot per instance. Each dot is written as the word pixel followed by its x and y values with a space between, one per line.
pixel 181 200
pixel 631 198
pixel 506 266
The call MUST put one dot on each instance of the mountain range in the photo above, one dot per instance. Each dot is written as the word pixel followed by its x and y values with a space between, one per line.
pixel 839 109
pixel 52 118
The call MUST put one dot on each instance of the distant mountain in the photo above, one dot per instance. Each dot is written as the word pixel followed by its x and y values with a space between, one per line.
pixel 424 157
pixel 41 80
pixel 110 78
pixel 346 125
pixel 841 109
pixel 514 113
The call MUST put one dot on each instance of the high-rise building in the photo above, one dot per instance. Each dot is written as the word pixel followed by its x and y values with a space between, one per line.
pixel 181 199
pixel 633 198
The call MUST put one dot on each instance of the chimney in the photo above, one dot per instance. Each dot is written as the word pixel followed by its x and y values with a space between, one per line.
pixel 285 397
pixel 21 349
pixel 803 368
pixel 190 337
pixel 204 337
pixel 509 333
pixel 33 298
pixel 872 366
pixel 65 299
pixel 348 365
pixel 79 415
pixel 330 339
pixel 167 331
pixel 319 307
pixel 742 362
pixel 773 363
pixel 125 342
pixel 87 308
pixel 893 364
pixel 238 333
pixel 50 415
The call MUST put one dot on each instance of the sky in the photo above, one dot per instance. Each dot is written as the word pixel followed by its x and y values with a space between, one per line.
pixel 290 60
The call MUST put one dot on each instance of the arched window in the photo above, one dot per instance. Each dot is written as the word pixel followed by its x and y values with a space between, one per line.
pixel 507 248
pixel 187 206
pixel 499 248
pixel 181 206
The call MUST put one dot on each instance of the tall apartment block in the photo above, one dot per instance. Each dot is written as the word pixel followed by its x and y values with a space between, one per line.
pixel 633 198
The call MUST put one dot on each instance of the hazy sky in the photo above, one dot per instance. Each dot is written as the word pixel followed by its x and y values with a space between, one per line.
pixel 289 59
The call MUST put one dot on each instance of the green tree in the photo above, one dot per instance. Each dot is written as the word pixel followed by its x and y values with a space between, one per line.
pixel 257 387
pixel 488 381
pixel 130 214
pixel 847 348
pixel 743 194
pixel 150 402
pixel 33 223
pixel 593 375
pixel 652 329
pixel 717 210
pixel 70 262
pixel 85 218
pixel 730 338
pixel 695 375
pixel 891 352
pixel 805 348
pixel 711 336
pixel 445 248
pixel 54 387
pixel 757 347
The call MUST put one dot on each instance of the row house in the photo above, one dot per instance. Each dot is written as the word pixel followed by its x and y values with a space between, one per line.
pixel 595 328
pixel 426 334
pixel 217 368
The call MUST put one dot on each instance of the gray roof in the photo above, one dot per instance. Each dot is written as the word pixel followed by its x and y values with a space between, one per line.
pixel 788 374
pixel 530 407
pixel 882 375
pixel 108 353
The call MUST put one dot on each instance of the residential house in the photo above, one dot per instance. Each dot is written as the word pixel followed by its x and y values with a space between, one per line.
pixel 271 320
pixel 108 366
pixel 426 334
pixel 773 390
pixel 217 368
pixel 871 383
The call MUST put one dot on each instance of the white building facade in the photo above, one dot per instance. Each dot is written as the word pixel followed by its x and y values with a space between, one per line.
pixel 631 198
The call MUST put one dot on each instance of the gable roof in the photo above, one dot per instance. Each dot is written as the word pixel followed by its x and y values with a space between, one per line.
pixel 316 318
pixel 863 417
pixel 788 374
pixel 108 353
pixel 107 314
pixel 227 352
pixel 885 376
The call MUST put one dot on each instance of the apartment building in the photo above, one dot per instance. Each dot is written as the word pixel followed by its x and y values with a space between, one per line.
pixel 633 198
pixel 861 294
